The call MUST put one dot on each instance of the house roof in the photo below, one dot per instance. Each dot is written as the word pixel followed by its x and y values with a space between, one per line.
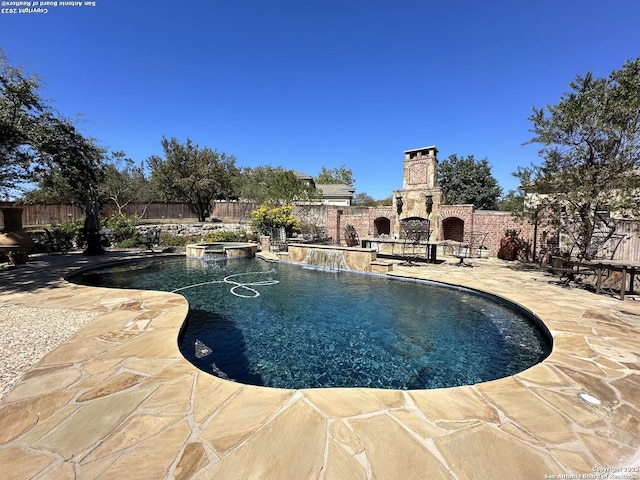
pixel 328 189
pixel 336 189
pixel 302 176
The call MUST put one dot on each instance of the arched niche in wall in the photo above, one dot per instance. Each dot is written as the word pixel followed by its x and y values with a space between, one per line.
pixel 382 226
pixel 453 229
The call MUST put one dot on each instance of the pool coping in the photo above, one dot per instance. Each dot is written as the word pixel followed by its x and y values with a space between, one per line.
pixel 118 399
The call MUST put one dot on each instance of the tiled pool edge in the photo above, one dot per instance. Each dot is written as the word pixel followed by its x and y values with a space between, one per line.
pixel 123 377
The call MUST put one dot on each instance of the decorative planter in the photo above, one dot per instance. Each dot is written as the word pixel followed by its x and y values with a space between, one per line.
pixel 14 241
pixel 510 246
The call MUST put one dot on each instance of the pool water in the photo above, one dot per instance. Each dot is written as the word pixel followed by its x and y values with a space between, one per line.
pixel 281 325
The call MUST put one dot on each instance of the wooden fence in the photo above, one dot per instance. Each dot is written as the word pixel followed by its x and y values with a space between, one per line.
pixel 37 215
pixel 226 211
pixel 33 215
pixel 629 246
pixel 156 211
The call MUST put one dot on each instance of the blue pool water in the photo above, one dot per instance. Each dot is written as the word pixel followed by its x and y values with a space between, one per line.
pixel 281 325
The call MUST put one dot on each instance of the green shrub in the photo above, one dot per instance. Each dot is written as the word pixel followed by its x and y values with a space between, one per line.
pixel 64 236
pixel 132 242
pixel 252 237
pixel 123 229
pixel 226 236
pixel 169 240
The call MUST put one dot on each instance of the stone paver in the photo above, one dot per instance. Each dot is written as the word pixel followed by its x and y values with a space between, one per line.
pixel 119 401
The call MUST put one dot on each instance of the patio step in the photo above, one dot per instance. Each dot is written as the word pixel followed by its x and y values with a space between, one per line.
pixel 382 266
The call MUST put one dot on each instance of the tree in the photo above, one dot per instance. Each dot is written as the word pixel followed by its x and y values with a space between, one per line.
pixel 385 202
pixel 193 175
pixel 125 183
pixel 53 186
pixel 274 186
pixel 364 200
pixel 591 156
pixel 36 141
pixel 287 189
pixel 468 181
pixel 512 201
pixel 253 184
pixel 340 175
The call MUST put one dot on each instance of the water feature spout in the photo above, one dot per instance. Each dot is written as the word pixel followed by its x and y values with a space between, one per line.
pixel 332 260
pixel 215 254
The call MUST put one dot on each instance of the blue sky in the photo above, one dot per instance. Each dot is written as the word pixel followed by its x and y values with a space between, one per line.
pixel 307 84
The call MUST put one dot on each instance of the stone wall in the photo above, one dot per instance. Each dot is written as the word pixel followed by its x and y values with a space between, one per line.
pixel 192 229
pixel 494 224
pixel 360 219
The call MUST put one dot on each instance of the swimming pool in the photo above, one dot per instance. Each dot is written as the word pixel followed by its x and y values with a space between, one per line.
pixel 281 325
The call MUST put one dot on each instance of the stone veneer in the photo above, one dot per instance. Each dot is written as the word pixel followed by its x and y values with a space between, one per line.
pixel 231 249
pixel 358 259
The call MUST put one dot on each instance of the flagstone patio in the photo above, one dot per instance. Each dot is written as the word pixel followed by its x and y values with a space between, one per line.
pixel 118 400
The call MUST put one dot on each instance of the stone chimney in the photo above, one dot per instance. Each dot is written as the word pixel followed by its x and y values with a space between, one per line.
pixel 420 195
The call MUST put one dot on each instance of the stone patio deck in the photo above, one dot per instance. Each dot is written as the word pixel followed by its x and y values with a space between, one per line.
pixel 118 400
